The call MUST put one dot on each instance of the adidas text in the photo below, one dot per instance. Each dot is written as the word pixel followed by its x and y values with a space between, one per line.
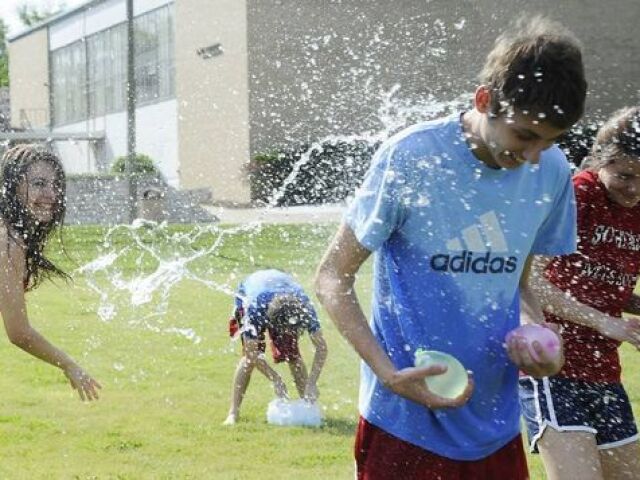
pixel 466 262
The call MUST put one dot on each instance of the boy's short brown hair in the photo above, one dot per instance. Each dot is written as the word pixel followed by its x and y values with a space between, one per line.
pixel 288 312
pixel 536 67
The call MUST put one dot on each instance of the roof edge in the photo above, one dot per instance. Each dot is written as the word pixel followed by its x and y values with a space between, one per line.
pixel 54 19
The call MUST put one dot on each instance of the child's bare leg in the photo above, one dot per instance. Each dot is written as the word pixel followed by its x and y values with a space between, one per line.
pixel 300 375
pixel 570 455
pixel 621 463
pixel 238 389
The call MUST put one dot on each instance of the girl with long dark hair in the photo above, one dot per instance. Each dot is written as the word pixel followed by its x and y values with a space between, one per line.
pixel 32 207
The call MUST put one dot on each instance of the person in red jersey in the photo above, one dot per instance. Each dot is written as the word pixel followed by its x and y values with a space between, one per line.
pixel 580 420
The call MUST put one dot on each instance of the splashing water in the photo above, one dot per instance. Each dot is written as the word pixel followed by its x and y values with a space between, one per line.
pixel 174 256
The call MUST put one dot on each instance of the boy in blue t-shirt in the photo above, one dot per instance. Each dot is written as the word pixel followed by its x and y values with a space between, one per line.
pixel 272 301
pixel 453 210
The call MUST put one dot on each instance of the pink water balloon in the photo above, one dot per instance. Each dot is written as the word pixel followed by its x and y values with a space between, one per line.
pixel 546 337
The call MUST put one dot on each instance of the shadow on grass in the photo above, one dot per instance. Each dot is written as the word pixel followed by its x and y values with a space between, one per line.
pixel 340 426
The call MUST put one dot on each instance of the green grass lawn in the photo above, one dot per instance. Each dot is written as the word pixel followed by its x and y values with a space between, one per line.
pixel 165 395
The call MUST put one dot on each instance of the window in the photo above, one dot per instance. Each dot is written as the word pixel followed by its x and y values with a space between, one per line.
pixel 84 90
pixel 154 55
pixel 107 67
pixel 69 83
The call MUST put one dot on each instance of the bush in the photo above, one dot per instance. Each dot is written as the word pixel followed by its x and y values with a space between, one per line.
pixel 333 172
pixel 329 173
pixel 576 143
pixel 266 172
pixel 142 164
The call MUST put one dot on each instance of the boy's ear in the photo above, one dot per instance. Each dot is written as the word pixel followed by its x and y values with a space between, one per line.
pixel 482 99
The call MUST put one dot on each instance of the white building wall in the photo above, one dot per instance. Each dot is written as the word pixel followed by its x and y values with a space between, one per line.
pixel 95 19
pixel 156 136
pixel 141 6
pixel 75 155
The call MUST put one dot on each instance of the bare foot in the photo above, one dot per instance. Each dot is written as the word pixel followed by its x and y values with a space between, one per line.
pixel 231 419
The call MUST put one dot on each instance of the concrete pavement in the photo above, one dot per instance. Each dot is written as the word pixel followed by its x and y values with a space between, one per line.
pixel 298 214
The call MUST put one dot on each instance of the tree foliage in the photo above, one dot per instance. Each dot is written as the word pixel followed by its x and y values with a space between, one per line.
pixel 31 15
pixel 4 57
pixel 329 173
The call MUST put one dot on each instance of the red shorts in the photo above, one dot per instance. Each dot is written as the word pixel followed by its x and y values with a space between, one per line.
pixel 284 345
pixel 381 456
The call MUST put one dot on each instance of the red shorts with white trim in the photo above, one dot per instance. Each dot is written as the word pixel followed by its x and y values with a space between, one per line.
pixel 381 456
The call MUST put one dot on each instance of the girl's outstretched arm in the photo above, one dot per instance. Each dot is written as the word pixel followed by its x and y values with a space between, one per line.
pixel 16 323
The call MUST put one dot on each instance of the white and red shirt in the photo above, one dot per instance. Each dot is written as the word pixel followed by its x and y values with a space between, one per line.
pixel 602 274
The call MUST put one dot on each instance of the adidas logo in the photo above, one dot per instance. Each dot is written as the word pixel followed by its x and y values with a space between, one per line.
pixel 478 252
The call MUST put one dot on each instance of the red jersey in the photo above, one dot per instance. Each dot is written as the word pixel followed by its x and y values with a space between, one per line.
pixel 602 274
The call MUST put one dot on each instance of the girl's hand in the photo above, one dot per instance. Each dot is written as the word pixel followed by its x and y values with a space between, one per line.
pixel 632 329
pixel 622 329
pixel 81 381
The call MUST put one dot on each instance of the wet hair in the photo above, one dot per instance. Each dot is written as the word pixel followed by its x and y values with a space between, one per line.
pixel 288 311
pixel 536 67
pixel 19 221
pixel 618 136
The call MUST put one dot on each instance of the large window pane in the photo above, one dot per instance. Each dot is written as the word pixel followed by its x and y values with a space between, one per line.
pixel 106 52
pixel 116 72
pixel 69 83
pixel 82 90
pixel 96 82
pixel 154 55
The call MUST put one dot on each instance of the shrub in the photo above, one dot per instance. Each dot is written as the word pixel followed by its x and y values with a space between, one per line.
pixel 576 143
pixel 329 174
pixel 142 164
pixel 266 172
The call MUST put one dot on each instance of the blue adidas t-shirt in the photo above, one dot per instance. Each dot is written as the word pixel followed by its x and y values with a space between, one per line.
pixel 256 292
pixel 451 237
